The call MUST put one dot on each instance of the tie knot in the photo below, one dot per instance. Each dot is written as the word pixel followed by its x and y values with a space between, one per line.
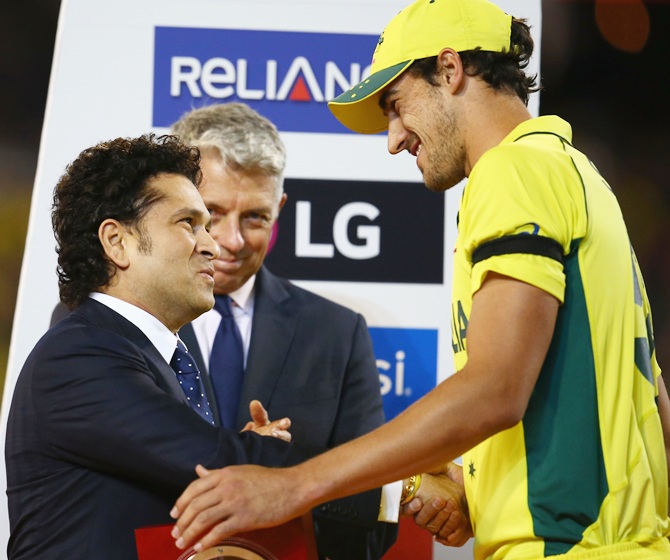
pixel 223 305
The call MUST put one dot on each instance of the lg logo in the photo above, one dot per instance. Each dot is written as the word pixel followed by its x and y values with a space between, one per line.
pixel 359 231
pixel 369 234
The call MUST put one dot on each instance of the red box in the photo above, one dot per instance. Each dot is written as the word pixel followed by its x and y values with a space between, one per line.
pixel 292 541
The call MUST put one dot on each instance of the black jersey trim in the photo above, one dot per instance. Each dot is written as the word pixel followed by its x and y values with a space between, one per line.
pixel 519 243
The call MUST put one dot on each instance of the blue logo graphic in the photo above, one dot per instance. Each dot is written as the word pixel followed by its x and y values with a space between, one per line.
pixel 288 77
pixel 407 364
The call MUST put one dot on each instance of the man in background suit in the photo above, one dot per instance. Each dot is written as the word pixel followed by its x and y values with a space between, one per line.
pixel 305 357
pixel 103 434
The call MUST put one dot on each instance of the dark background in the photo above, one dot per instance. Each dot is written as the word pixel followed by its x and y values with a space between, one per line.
pixel 605 69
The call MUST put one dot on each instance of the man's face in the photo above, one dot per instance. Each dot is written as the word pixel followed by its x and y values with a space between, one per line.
pixel 170 271
pixel 423 121
pixel 244 207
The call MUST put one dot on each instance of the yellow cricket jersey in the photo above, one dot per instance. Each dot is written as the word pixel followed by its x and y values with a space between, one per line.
pixel 584 474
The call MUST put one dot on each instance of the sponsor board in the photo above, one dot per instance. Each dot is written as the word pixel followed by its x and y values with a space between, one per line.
pixel 286 76
pixel 360 231
pixel 407 364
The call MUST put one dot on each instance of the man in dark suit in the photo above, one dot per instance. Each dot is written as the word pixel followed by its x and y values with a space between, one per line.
pixel 295 378
pixel 103 434
pixel 305 357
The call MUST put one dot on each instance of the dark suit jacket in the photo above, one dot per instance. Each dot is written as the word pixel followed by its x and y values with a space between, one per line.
pixel 312 360
pixel 101 441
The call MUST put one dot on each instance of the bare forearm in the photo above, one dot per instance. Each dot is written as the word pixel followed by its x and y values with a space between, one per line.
pixel 402 447
pixel 490 394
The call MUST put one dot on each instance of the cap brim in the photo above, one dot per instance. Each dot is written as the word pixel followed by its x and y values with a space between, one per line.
pixel 358 108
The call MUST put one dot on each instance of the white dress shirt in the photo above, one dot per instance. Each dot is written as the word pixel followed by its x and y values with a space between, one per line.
pixel 207 324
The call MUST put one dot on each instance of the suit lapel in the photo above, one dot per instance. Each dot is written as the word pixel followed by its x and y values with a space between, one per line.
pixel 272 333
pixel 107 318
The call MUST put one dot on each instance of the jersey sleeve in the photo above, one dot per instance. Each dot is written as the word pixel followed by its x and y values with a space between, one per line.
pixel 520 221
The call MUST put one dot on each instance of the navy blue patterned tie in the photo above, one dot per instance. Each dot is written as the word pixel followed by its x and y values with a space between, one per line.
pixel 188 376
pixel 226 364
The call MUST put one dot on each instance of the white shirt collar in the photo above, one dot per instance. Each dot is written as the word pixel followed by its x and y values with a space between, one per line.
pixel 243 296
pixel 207 324
pixel 158 334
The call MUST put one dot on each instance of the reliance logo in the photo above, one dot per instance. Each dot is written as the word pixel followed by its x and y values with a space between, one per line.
pixel 288 77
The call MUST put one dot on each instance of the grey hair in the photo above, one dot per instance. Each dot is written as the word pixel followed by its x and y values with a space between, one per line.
pixel 245 140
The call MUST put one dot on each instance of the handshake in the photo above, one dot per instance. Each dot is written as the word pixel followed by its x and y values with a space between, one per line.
pixel 223 502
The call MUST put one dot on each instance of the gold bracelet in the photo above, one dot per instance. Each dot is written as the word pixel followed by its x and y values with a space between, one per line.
pixel 410 489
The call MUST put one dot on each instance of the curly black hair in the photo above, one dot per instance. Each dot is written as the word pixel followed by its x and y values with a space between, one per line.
pixel 500 70
pixel 109 180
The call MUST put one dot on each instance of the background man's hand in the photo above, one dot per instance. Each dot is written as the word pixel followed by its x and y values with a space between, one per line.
pixel 262 425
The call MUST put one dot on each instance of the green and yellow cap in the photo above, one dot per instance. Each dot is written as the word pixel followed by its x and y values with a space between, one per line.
pixel 420 30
